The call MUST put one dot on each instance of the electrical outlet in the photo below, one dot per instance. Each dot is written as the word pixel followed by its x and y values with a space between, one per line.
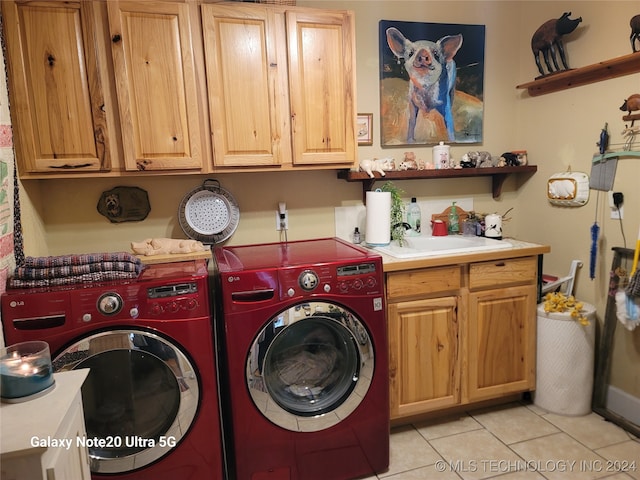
pixel 280 222
pixel 617 213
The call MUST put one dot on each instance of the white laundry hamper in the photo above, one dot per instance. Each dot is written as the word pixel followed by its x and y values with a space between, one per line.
pixel 565 362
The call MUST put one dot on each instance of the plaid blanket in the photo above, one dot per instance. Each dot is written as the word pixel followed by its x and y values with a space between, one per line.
pixel 72 269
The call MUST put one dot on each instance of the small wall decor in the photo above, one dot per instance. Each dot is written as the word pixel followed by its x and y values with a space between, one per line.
pixel 124 204
pixel 547 41
pixel 431 83
pixel 568 189
pixel 364 125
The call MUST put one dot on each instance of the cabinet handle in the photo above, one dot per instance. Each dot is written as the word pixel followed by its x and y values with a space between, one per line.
pixel 116 38
pixel 500 264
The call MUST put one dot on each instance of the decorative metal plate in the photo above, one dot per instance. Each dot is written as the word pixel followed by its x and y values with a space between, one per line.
pixel 209 213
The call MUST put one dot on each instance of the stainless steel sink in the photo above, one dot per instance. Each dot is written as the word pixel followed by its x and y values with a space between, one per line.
pixel 425 246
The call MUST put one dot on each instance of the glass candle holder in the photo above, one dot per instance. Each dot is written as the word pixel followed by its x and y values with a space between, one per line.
pixel 469 227
pixel 25 371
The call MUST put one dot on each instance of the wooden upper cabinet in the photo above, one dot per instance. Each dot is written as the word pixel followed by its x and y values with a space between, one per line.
pixel 246 65
pixel 321 47
pixel 281 84
pixel 156 84
pixel 56 90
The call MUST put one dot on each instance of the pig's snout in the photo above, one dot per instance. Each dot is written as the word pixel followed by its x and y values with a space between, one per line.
pixel 423 59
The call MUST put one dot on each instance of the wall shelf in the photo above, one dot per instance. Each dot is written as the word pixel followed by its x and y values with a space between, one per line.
pixel 554 82
pixel 497 174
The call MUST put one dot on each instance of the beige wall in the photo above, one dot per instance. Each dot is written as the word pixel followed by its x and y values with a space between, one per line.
pixel 558 130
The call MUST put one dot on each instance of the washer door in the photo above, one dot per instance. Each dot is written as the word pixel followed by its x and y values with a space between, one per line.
pixel 139 400
pixel 310 366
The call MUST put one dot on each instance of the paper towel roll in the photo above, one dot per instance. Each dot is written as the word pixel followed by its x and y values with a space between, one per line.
pixel 378 220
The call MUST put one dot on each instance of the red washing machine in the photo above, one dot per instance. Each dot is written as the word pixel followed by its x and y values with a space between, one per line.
pixel 151 398
pixel 305 345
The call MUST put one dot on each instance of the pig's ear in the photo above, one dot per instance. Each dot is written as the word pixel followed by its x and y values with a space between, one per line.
pixel 397 42
pixel 450 46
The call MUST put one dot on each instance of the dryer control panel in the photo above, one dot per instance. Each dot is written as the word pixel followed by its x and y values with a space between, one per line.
pixel 355 279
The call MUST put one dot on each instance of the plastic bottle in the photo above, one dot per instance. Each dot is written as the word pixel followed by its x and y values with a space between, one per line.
pixel 414 218
pixel 454 223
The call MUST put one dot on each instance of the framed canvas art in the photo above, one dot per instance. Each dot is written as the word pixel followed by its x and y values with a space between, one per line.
pixel 431 83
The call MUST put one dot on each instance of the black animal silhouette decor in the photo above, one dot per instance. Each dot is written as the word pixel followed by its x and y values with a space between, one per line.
pixel 635 31
pixel 547 41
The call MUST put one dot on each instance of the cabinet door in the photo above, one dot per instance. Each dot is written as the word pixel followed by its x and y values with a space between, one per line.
pixel 71 463
pixel 57 102
pixel 502 341
pixel 246 67
pixel 322 85
pixel 424 355
pixel 156 85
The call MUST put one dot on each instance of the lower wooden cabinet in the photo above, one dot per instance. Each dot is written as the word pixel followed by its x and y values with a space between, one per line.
pixel 502 342
pixel 461 334
pixel 424 355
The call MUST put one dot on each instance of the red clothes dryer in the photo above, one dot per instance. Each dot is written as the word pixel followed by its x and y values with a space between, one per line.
pixel 151 398
pixel 304 336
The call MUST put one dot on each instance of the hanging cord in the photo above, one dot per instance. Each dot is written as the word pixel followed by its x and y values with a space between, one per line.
pixel 624 239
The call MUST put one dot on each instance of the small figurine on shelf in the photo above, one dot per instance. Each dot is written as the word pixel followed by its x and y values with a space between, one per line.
pixel 547 39
pixel 409 162
pixel 477 159
pixel 379 165
pixel 635 31
pixel 631 104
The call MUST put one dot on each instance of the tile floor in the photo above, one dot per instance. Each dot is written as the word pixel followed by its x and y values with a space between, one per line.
pixel 517 441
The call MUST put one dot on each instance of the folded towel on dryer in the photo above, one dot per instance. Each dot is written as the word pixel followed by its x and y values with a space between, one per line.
pixel 72 269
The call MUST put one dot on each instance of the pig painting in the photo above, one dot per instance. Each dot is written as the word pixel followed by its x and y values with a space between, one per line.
pixel 432 71
pixel 431 86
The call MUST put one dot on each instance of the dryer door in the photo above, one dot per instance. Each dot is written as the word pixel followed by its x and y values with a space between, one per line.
pixel 139 400
pixel 310 366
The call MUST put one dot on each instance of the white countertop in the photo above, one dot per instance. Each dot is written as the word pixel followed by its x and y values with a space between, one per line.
pixel 518 248
pixel 40 417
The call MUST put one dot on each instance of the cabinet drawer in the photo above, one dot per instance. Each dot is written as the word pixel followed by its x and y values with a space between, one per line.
pixel 502 272
pixel 420 282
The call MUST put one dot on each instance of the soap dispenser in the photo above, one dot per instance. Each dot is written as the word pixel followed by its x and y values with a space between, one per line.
pixel 454 221
pixel 414 218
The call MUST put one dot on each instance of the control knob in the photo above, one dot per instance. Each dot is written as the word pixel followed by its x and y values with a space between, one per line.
pixel 109 303
pixel 308 280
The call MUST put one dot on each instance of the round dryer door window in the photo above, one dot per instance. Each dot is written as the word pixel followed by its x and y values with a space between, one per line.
pixel 139 399
pixel 310 366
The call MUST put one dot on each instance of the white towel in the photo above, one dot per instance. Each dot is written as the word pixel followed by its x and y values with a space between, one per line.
pixel 627 310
